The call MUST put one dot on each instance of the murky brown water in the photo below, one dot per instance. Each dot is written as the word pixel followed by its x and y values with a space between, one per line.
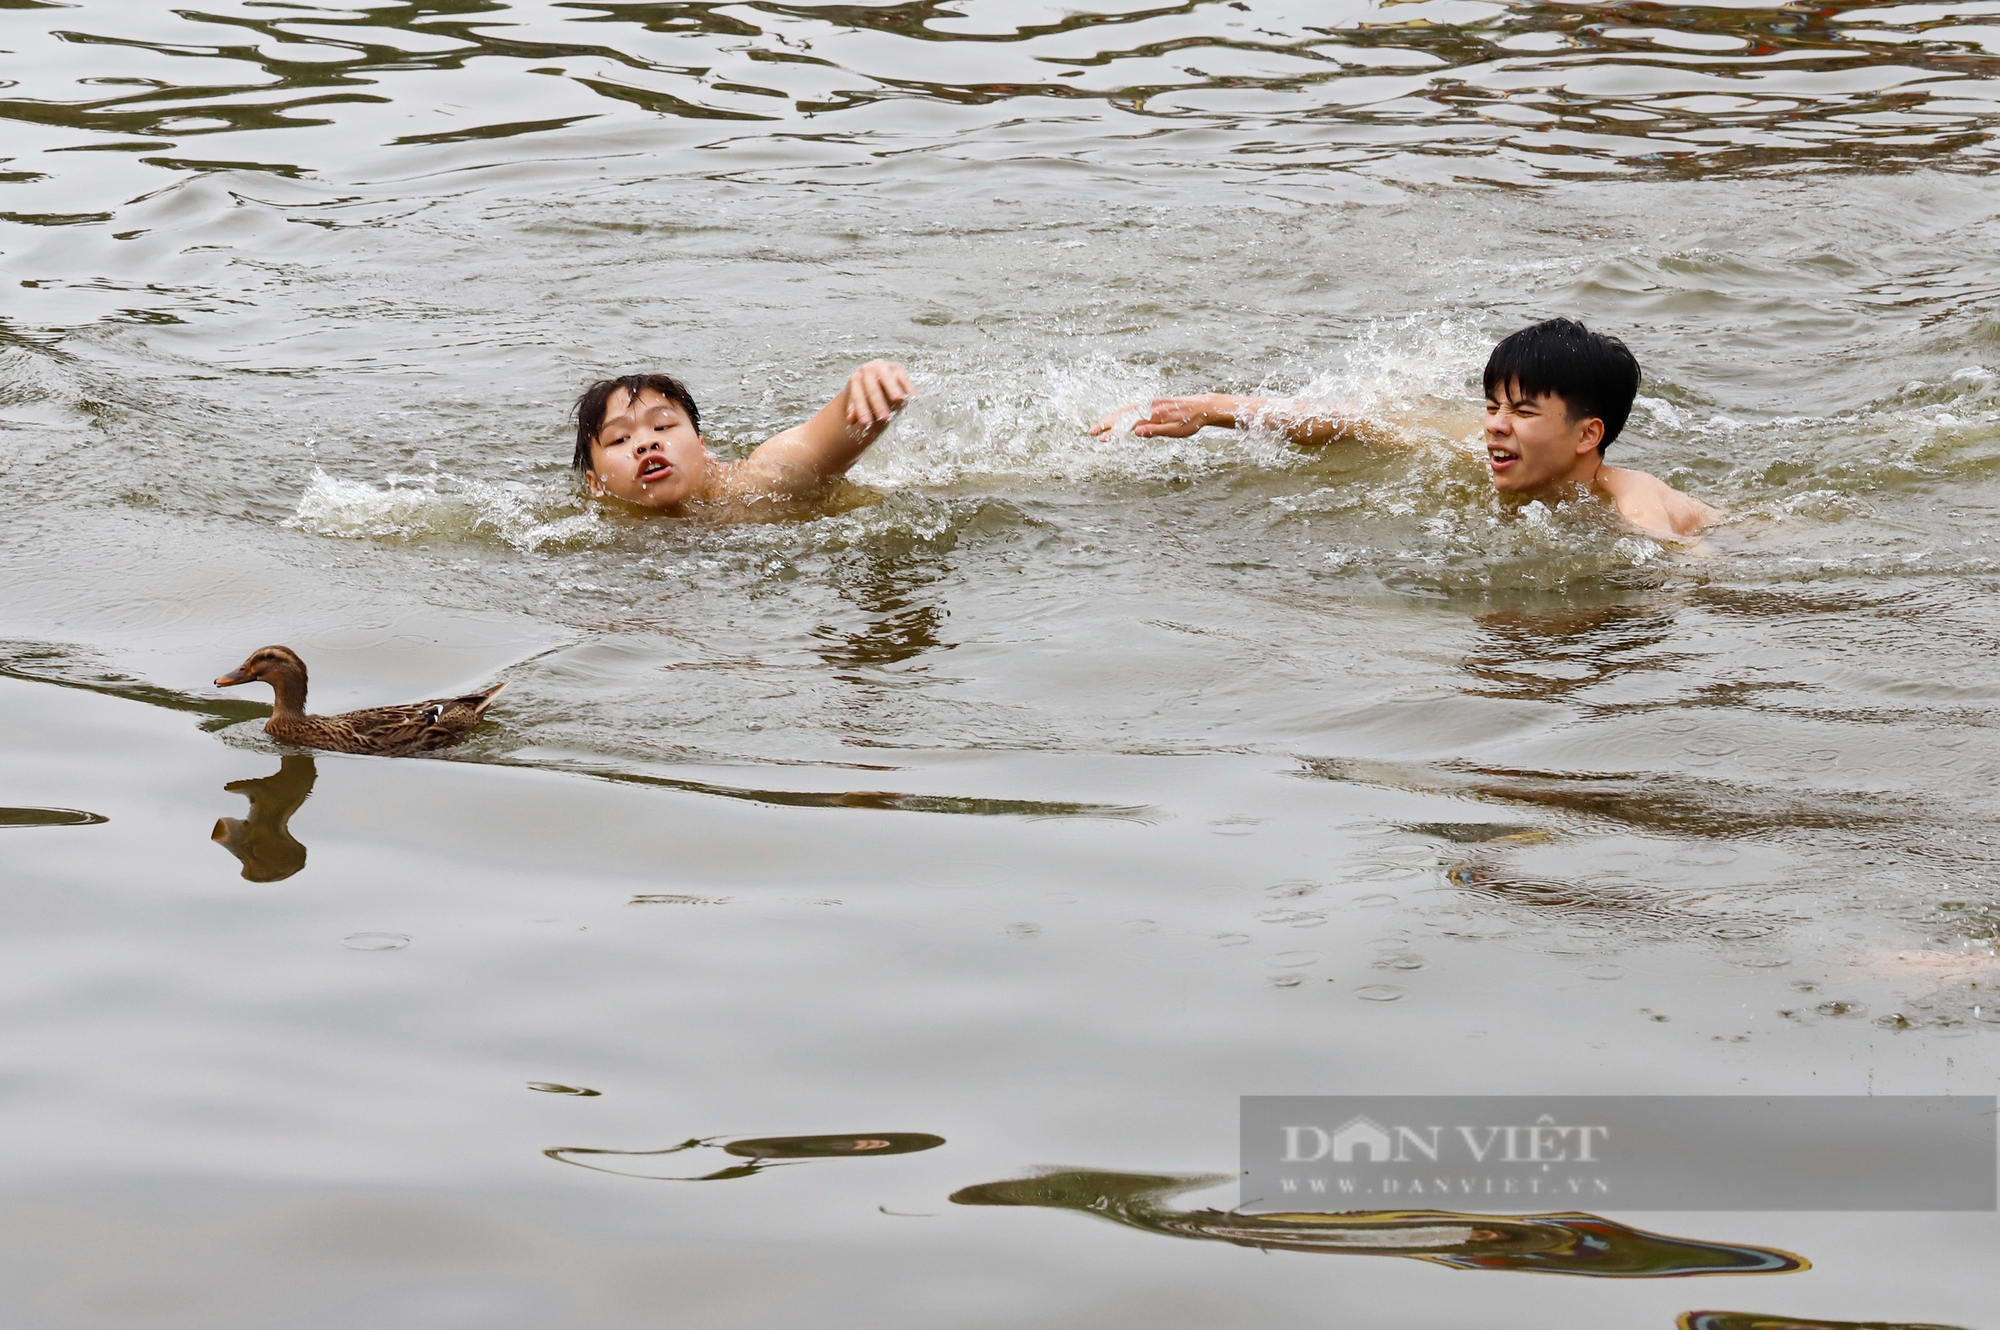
pixel 1055 793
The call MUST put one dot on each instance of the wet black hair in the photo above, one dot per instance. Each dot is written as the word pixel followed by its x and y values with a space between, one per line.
pixel 596 399
pixel 1595 375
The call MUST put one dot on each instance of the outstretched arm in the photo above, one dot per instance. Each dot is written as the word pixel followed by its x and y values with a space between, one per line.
pixel 834 439
pixel 1302 422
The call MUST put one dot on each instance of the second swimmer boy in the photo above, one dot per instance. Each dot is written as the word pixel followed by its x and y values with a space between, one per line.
pixel 1557 394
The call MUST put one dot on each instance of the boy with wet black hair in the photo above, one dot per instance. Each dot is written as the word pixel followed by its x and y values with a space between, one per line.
pixel 1557 394
pixel 638 438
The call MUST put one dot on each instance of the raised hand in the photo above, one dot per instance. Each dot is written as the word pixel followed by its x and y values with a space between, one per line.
pixel 875 392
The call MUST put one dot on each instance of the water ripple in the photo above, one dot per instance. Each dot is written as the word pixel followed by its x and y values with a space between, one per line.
pixel 1382 86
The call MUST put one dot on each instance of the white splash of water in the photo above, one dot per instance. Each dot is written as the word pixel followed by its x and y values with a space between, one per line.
pixel 438 507
pixel 987 420
pixel 1418 363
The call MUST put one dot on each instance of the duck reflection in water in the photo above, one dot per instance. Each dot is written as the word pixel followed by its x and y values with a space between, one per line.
pixel 264 841
pixel 1566 1244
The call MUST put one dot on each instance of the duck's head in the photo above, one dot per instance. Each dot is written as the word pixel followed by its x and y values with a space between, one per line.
pixel 267 664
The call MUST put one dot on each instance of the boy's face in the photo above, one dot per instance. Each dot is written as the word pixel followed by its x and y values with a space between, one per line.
pixel 1531 442
pixel 646 452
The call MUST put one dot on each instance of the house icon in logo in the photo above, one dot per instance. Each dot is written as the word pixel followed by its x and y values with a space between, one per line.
pixel 1366 1135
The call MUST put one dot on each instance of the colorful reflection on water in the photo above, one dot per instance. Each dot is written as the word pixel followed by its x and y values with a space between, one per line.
pixel 1758 1321
pixel 1562 1244
pixel 762 1151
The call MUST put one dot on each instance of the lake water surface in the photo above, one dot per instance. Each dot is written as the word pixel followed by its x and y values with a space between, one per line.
pixel 1043 794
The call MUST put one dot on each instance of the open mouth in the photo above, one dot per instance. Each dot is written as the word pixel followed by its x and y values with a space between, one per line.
pixel 1500 459
pixel 653 469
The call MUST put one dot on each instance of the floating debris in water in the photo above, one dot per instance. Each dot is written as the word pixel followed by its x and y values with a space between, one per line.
pixel 677 898
pixel 550 1087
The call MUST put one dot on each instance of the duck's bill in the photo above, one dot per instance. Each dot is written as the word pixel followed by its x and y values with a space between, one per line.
pixel 231 679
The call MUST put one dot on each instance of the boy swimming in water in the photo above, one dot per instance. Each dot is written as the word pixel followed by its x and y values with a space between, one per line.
pixel 638 438
pixel 1557 394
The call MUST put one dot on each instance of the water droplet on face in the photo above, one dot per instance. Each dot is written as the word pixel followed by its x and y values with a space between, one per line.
pixel 375 941
pixel 550 1087
pixel 1292 960
pixel 1603 972
pixel 1378 993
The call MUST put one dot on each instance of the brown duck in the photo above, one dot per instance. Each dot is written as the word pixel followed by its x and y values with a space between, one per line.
pixel 414 727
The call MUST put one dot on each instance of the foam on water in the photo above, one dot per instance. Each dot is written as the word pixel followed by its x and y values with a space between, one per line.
pixel 1420 362
pixel 987 420
pixel 438 506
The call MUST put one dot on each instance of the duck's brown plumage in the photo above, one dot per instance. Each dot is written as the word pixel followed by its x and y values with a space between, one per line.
pixel 399 731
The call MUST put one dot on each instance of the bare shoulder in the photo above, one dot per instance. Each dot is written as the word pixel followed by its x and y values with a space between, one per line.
pixel 1648 502
pixel 763 476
